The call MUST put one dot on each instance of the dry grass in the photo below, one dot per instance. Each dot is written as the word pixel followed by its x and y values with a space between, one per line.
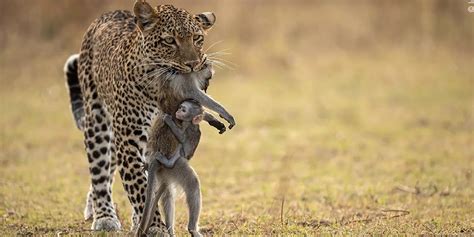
pixel 337 138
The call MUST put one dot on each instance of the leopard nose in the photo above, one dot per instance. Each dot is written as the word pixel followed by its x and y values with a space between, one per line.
pixel 192 64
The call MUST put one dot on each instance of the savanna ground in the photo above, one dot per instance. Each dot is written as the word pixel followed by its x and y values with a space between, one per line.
pixel 341 129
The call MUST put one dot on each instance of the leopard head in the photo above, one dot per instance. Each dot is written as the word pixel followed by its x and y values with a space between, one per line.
pixel 172 38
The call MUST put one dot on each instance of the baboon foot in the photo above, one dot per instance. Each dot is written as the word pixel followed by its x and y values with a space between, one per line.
pixel 195 233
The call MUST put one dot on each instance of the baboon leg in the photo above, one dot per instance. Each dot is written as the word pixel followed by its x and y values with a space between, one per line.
pixel 168 204
pixel 154 190
pixel 189 180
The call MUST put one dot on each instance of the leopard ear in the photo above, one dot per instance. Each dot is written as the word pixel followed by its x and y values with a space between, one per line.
pixel 206 19
pixel 146 15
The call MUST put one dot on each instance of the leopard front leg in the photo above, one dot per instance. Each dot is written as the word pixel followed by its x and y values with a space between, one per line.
pixel 89 209
pixel 130 142
pixel 99 147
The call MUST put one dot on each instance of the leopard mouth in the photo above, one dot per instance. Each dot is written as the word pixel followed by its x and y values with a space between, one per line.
pixel 169 70
pixel 175 67
pixel 187 70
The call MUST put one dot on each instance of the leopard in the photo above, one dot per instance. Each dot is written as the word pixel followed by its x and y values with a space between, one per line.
pixel 123 78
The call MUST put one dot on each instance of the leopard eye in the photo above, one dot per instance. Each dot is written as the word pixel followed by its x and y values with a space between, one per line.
pixel 198 39
pixel 169 40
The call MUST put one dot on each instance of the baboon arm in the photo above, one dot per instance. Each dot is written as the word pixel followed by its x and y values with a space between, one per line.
pixel 213 105
pixel 214 122
pixel 169 163
pixel 192 91
pixel 178 133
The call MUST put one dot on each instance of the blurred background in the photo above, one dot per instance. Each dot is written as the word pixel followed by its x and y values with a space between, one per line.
pixel 353 117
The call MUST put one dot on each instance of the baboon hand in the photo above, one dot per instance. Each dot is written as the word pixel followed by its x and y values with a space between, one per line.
pixel 167 118
pixel 230 119
pixel 144 167
pixel 218 125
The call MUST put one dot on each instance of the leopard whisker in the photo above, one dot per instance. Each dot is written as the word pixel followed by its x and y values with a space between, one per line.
pixel 148 82
pixel 224 60
pixel 212 45
pixel 150 64
pixel 218 66
pixel 153 81
pixel 218 53
pixel 220 63
pixel 153 74
pixel 147 75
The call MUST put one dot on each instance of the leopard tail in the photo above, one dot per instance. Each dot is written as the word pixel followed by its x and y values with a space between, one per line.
pixel 75 93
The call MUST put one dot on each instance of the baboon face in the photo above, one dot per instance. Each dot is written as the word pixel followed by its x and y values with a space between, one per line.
pixel 190 111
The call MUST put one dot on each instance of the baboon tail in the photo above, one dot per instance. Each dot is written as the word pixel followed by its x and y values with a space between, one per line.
pixel 75 93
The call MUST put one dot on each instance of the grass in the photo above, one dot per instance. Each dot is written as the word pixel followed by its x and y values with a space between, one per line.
pixel 359 143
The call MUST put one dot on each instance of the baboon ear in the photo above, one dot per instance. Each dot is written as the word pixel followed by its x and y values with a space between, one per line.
pixel 146 15
pixel 206 19
pixel 198 118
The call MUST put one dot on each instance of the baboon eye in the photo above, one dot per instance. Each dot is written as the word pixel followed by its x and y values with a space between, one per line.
pixel 169 40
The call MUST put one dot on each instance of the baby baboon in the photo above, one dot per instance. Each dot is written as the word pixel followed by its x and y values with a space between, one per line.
pixel 184 126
